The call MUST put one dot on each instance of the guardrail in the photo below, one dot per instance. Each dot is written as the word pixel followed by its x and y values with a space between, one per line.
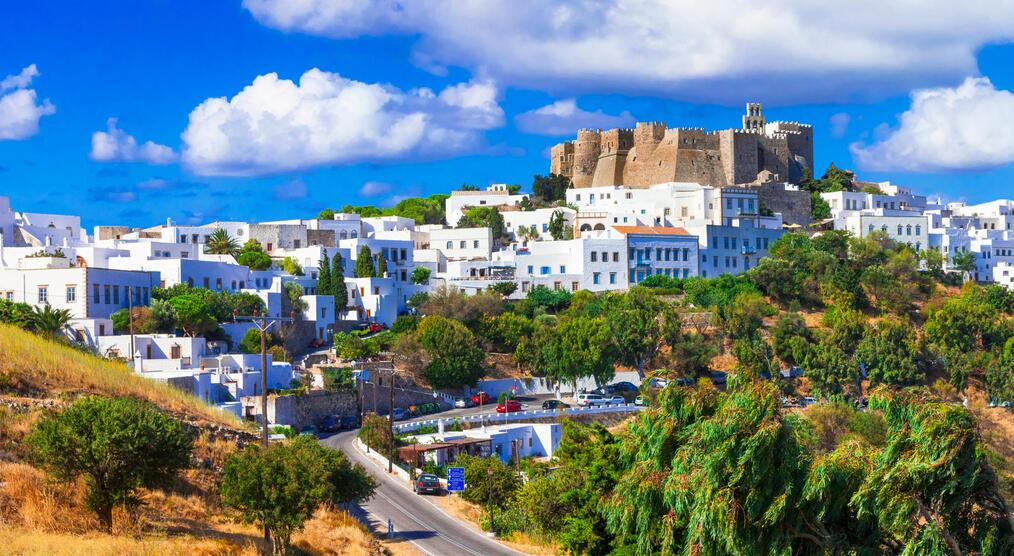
pixel 493 418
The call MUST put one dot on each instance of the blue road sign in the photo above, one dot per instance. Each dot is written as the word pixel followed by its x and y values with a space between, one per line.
pixel 455 479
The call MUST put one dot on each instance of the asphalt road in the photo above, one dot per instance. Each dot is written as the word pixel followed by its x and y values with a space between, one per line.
pixel 416 518
pixel 527 403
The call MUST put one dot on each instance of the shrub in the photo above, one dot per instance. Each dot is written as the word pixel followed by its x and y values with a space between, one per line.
pixel 118 445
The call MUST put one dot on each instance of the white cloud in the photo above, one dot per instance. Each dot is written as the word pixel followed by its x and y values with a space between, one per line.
pixel 563 117
pixel 967 127
pixel 726 50
pixel 839 124
pixel 114 144
pixel 291 190
pixel 374 188
pixel 20 110
pixel 276 125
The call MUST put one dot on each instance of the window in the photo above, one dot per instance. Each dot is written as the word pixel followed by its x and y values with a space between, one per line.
pixel 612 277
pixel 594 258
pixel 107 291
pixel 43 294
pixel 184 254
pixel 174 351
pixel 295 243
pixel 529 269
pixel 95 294
pixel 544 270
pixel 450 244
pixel 899 229
pixel 116 295
pixel 207 283
pixel 461 244
pixel 475 244
pixel 563 269
pixel 616 256
pixel 71 294
pixel 595 277
pixel 218 283
pixel 556 285
pixel 918 229
pixel 574 286
pixel 658 253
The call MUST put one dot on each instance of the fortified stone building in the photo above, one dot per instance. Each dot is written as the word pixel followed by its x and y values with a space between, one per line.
pixel 651 153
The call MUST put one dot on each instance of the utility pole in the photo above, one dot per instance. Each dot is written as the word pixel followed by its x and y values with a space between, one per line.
pixel 489 499
pixel 390 422
pixel 263 323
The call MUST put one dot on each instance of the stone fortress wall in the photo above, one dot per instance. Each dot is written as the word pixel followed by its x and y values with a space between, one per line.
pixel 653 153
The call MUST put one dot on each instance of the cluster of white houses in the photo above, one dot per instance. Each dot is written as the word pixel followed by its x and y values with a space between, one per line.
pixel 619 236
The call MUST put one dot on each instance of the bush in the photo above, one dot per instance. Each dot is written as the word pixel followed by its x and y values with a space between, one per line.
pixel 281 486
pixel 405 323
pixel 118 445
pixel 480 486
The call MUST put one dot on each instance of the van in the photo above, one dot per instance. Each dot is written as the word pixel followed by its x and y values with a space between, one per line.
pixel 588 399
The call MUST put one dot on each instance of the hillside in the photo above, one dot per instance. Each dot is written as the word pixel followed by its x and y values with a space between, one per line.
pixel 39 516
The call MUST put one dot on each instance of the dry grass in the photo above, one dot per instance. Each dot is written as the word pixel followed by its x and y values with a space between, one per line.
pixel 472 514
pixel 37 366
pixel 23 542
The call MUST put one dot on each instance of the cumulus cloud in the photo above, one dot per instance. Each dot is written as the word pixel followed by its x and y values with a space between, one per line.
pixel 20 109
pixel 277 125
pixel 726 50
pixel 374 188
pixel 967 127
pixel 839 124
pixel 563 117
pixel 114 144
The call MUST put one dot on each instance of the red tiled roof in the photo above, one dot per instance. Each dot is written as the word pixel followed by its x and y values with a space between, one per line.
pixel 652 230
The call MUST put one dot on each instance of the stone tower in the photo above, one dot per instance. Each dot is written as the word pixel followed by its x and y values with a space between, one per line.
pixel 753 120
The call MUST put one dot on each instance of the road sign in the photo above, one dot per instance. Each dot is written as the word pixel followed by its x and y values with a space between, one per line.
pixel 455 479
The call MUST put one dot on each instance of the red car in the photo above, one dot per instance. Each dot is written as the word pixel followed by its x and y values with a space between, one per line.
pixel 509 406
pixel 481 398
pixel 375 327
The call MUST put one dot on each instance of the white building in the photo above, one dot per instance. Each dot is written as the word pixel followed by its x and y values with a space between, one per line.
pixel 494 196
pixel 507 441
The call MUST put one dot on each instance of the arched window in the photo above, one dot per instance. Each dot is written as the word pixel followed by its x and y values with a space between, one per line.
pixel 354 234
pixel 585 227
pixel 884 229
pixel 918 229
pixel 899 229
pixel 599 226
pixel 343 235
pixel 908 230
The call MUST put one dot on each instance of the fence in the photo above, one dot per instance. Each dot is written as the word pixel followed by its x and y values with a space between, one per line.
pixel 500 418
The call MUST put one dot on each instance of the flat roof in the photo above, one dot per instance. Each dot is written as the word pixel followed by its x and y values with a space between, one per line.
pixel 652 230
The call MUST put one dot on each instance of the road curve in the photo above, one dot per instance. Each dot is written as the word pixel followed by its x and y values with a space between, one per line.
pixel 416 519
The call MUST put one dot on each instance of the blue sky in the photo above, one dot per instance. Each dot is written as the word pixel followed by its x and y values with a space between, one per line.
pixel 418 98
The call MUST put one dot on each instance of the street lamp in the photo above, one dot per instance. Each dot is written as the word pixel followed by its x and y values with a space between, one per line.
pixel 489 501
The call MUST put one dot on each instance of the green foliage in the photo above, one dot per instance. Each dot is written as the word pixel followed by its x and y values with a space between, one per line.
pixel 325 286
pixel 119 445
pixel 405 323
pixel 251 342
pixel 483 217
pixel 14 313
pixel 252 255
pixel 891 354
pixel 375 432
pixel 546 299
pixel 364 263
pixel 585 350
pixel 381 265
pixel 690 355
pixel 745 316
pixel 482 487
pixel 964 262
pixel 421 275
pixel 338 289
pixel 819 208
pixel 350 346
pixel 455 358
pixel 454 303
pixel 505 289
pixel 424 210
pixel 338 378
pixel 326 214
pixel 506 331
pixel 1000 377
pixel 281 486
pixel 294 295
pixel 637 322
pixel 716 292
pixel 550 188
pixel 220 243
pixel 558 228
pixel 193 314
pixel 789 326
pixel 46 320
pixel 964 323
pixel 292 267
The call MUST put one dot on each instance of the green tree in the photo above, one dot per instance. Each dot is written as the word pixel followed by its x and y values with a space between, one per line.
pixel 381 265
pixel 421 275
pixel 292 267
pixel 505 289
pixel 324 285
pixel 789 326
pixel 139 317
pixel 326 214
pixel 481 486
pixel 281 486
pixel 220 243
pixel 337 378
pixel 585 349
pixel 162 317
pixel 251 342
pixel 819 209
pixel 483 217
pixel 637 322
pixel 964 262
pixel 933 260
pixel 557 225
pixel 364 263
pixel 119 445
pixel 745 316
pixel 252 255
pixel 455 359
pixel 551 188
pixel 542 298
pixel 349 346
pixel 338 288
pixel 690 354
pixel 1000 377
pixel 193 314
pixel 890 353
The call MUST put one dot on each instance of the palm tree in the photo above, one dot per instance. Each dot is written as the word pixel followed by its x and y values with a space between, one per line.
pixel 48 321
pixel 219 243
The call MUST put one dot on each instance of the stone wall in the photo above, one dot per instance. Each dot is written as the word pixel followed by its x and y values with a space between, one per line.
pixel 404 397
pixel 793 205
pixel 299 411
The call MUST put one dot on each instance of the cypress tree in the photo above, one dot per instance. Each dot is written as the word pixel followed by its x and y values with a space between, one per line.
pixel 364 263
pixel 324 284
pixel 381 265
pixel 338 290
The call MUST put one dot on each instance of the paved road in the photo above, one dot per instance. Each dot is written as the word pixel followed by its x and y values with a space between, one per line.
pixel 527 403
pixel 416 518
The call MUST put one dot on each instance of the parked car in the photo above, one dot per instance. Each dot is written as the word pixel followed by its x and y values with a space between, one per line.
pixel 509 406
pixel 588 399
pixel 398 414
pixel 308 430
pixel 809 400
pixel 427 484
pixel 376 327
pixel 481 398
pixel 641 401
pixel 463 402
pixel 554 404
pixel 658 382
pixel 615 400
pixel 348 422
pixel 329 423
pixel 623 387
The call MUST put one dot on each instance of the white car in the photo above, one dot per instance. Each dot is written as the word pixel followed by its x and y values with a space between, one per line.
pixel 462 402
pixel 588 399
pixel 615 400
pixel 809 400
